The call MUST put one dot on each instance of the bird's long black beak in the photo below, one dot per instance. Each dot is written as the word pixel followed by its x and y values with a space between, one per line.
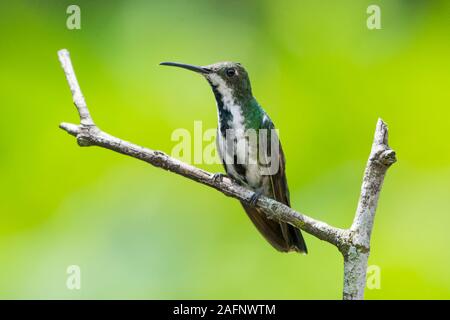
pixel 191 67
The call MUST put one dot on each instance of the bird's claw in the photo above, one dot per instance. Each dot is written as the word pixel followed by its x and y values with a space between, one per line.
pixel 218 177
pixel 254 198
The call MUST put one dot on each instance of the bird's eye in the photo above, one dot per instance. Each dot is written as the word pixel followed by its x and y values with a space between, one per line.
pixel 230 72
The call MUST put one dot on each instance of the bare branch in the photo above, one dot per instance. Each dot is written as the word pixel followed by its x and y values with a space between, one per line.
pixel 353 243
pixel 380 159
pixel 357 254
pixel 78 98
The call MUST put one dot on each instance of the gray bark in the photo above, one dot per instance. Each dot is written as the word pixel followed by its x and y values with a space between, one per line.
pixel 357 253
pixel 353 243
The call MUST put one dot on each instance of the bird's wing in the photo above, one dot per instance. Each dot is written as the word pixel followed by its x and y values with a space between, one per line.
pixel 278 179
pixel 280 190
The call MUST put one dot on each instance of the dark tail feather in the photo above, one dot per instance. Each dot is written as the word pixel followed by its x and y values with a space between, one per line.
pixel 297 243
pixel 280 235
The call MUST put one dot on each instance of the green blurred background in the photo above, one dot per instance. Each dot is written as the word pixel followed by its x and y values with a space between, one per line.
pixel 140 232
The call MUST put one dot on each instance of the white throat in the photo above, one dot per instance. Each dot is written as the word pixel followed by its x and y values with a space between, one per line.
pixel 229 103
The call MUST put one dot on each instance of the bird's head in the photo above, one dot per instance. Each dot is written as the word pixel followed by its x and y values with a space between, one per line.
pixel 229 80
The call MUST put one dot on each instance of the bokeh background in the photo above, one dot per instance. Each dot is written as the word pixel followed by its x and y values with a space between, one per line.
pixel 140 232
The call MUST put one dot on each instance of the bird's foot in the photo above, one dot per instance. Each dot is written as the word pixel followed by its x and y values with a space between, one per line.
pixel 254 198
pixel 218 177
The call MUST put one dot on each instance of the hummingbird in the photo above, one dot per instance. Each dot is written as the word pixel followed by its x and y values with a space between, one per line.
pixel 238 111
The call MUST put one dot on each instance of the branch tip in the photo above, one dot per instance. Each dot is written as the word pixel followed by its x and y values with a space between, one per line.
pixel 63 53
pixel 70 128
pixel 381 133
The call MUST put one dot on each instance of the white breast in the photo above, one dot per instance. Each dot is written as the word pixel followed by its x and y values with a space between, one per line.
pixel 244 148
